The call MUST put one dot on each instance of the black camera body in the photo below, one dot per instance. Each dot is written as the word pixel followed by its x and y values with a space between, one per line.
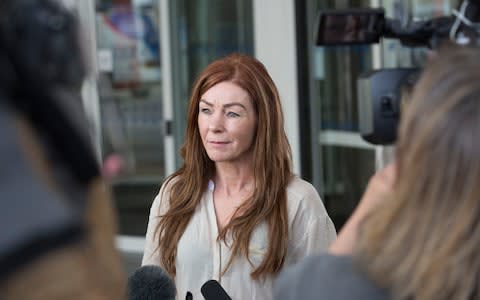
pixel 381 92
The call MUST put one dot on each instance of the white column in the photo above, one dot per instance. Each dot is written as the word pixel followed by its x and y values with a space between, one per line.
pixel 275 46
pixel 167 84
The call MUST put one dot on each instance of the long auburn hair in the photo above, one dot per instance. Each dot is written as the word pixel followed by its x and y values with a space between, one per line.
pixel 424 242
pixel 272 170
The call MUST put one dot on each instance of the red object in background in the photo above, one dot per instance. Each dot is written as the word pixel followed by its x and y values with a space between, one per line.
pixel 113 165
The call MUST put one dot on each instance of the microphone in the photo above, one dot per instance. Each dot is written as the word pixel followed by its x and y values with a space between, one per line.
pixel 151 282
pixel 212 290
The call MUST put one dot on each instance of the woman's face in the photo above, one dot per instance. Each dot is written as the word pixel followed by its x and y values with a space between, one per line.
pixel 227 122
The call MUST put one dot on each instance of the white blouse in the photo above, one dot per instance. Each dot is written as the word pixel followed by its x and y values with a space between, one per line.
pixel 200 257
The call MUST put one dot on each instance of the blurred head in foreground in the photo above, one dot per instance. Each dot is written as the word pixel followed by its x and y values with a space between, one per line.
pixel 58 225
pixel 424 242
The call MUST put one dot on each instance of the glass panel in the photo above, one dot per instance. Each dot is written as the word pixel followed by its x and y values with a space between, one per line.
pixel 338 87
pixel 336 80
pixel 424 9
pixel 397 55
pixel 130 90
pixel 340 172
pixel 203 31
pixel 346 172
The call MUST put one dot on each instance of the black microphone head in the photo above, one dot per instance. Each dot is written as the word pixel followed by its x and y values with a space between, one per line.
pixel 151 283
pixel 212 290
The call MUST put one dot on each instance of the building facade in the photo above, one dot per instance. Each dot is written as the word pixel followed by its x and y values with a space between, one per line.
pixel 145 54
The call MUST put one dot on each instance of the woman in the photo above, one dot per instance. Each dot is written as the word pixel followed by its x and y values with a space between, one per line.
pixel 422 240
pixel 234 212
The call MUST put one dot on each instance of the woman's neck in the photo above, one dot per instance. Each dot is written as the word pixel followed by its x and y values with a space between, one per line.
pixel 232 179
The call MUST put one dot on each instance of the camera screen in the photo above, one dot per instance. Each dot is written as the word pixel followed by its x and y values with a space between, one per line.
pixel 349 27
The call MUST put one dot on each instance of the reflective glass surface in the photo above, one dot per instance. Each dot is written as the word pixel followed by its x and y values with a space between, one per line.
pixel 342 165
pixel 131 86
pixel 130 92
pixel 202 31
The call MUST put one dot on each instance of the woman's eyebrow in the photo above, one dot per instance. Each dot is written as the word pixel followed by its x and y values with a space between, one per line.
pixel 234 104
pixel 206 102
pixel 227 105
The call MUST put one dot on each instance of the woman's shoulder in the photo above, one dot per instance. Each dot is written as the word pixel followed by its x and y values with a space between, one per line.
pixel 169 181
pixel 326 276
pixel 301 193
pixel 300 188
pixel 160 202
pixel 167 184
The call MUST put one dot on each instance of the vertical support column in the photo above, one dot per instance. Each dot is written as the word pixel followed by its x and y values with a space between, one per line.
pixel 275 47
pixel 167 84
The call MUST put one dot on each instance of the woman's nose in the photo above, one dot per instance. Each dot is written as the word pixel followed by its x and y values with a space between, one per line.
pixel 216 122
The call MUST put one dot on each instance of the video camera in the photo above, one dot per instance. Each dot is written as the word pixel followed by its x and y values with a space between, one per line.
pixel 381 92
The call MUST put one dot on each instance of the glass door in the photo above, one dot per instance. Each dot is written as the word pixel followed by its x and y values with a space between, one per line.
pixel 202 31
pixel 131 104
pixel 342 161
pixel 146 54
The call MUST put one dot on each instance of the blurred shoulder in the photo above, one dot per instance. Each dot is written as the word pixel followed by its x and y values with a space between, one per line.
pixel 326 276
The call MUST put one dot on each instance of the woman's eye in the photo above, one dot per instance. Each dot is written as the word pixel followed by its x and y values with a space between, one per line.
pixel 232 114
pixel 205 110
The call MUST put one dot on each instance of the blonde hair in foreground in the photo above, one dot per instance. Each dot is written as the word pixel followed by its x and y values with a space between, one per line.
pixel 272 169
pixel 424 242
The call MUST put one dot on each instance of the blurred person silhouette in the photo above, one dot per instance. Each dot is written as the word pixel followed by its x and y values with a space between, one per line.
pixel 57 236
pixel 416 232
pixel 234 212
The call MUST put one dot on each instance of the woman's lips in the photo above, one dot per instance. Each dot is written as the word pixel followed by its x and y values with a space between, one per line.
pixel 218 143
